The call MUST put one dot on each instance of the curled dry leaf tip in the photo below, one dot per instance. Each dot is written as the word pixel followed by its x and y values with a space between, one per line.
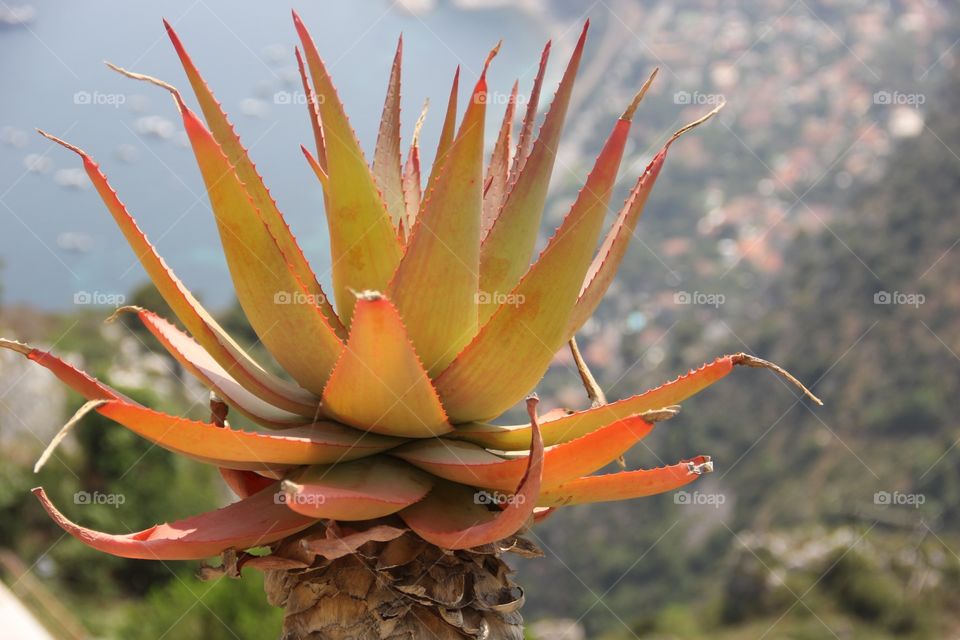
pixel 696 123
pixel 628 114
pixel 660 415
pixel 14 345
pixel 747 360
pixel 130 308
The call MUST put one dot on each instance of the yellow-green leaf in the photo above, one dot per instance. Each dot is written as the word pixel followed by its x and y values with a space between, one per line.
pixel 197 320
pixel 435 287
pixel 514 348
pixel 386 156
pixel 229 142
pixel 364 245
pixel 282 311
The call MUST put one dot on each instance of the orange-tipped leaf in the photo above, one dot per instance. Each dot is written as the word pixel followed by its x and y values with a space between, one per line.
pixel 197 320
pixel 435 287
pixel 379 383
pixel 506 250
pixel 470 464
pixel 625 485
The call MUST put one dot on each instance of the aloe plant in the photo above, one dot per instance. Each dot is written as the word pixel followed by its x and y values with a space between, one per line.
pixel 383 493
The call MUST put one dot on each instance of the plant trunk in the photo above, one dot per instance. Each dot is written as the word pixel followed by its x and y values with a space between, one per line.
pixel 399 589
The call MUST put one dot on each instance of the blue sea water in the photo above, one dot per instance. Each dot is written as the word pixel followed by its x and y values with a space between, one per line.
pixel 56 239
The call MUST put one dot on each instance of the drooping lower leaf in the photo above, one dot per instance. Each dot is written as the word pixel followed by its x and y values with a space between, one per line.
pixel 254 521
pixel 245 483
pixel 359 490
pixel 625 485
pixel 457 517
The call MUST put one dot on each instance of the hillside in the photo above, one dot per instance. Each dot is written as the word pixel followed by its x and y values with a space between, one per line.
pixel 804 489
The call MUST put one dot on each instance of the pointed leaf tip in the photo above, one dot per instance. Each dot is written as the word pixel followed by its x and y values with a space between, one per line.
pixel 63 143
pixel 365 247
pixel 379 384
pixel 626 485
pixel 490 56
pixel 628 114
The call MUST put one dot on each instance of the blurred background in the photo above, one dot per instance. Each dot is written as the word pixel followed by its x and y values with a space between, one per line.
pixel 813 223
